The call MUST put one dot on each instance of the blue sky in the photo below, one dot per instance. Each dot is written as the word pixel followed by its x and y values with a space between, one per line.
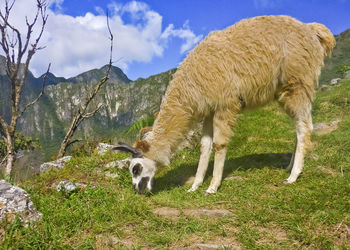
pixel 153 36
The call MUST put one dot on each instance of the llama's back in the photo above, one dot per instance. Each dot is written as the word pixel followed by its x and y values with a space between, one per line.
pixel 250 60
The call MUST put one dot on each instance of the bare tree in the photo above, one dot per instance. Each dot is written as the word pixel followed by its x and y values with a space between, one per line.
pixel 19 50
pixel 83 111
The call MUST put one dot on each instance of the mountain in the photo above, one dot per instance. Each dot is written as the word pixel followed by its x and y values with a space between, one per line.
pixel 340 57
pixel 125 101
pixel 116 75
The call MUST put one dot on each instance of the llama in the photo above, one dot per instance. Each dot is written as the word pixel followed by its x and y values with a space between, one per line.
pixel 244 66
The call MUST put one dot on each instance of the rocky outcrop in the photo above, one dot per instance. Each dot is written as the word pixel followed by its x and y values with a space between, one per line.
pixel 346 75
pixel 335 81
pixel 14 201
pixel 69 186
pixel 103 148
pixel 58 164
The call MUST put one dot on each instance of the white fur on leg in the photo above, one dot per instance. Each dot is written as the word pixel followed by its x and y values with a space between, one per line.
pixel 290 166
pixel 206 147
pixel 302 131
pixel 218 170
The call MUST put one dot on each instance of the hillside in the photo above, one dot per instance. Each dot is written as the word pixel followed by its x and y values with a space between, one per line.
pixel 340 57
pixel 252 209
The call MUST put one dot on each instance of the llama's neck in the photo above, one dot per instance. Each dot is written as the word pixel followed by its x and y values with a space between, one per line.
pixel 172 125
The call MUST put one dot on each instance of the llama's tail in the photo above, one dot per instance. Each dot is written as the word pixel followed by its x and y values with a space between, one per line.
pixel 325 37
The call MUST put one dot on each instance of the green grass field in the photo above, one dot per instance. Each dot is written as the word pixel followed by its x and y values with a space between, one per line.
pixel 263 213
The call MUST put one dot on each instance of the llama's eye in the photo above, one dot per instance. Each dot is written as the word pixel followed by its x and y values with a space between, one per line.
pixel 137 169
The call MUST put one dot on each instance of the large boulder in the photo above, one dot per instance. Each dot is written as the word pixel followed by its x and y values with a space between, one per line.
pixel 69 186
pixel 335 81
pixel 103 148
pixel 346 75
pixel 58 164
pixel 16 201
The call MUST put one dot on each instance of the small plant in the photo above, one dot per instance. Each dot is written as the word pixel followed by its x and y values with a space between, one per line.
pixel 87 147
pixel 343 69
pixel 21 143
pixel 137 126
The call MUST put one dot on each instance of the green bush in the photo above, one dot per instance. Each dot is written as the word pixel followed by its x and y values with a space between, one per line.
pixel 22 142
pixel 87 148
pixel 343 69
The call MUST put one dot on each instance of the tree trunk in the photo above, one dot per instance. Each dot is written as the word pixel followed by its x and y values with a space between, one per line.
pixel 63 147
pixel 10 156
pixel 69 135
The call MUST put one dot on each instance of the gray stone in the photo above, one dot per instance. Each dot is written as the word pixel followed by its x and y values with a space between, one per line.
pixel 118 163
pixel 111 175
pixel 210 213
pixel 234 178
pixel 58 164
pixel 214 246
pixel 103 148
pixel 167 212
pixel 69 186
pixel 335 81
pixel 323 128
pixel 346 75
pixel 16 201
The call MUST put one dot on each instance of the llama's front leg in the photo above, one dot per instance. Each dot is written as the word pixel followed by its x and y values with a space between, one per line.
pixel 303 128
pixel 206 147
pixel 223 122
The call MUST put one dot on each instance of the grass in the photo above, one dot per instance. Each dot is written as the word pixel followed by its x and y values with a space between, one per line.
pixel 311 213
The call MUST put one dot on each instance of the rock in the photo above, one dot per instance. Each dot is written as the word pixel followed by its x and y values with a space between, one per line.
pixel 213 246
pixel 69 186
pixel 346 75
pixel 16 201
pixel 111 175
pixel 210 213
pixel 234 178
pixel 58 164
pixel 103 148
pixel 119 163
pixel 335 81
pixel 113 242
pixel 328 171
pixel 167 212
pixel 325 128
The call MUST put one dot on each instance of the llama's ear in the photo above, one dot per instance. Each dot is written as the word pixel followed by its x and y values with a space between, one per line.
pixel 135 152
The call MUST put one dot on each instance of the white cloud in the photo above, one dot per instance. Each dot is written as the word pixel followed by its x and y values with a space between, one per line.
pixel 77 44
pixel 184 33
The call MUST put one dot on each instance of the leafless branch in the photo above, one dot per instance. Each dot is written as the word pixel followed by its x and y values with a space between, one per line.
pixel 18 48
pixel 90 114
pixel 82 112
pixel 40 94
pixel 74 141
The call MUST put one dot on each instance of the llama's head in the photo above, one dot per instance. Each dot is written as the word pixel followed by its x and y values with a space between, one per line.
pixel 141 168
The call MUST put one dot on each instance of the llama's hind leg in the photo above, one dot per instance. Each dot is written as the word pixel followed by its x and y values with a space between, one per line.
pixel 304 129
pixel 206 148
pixel 290 166
pixel 223 122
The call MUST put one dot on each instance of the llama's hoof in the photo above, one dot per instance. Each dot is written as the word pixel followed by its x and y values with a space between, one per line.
pixel 210 190
pixel 288 181
pixel 194 187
